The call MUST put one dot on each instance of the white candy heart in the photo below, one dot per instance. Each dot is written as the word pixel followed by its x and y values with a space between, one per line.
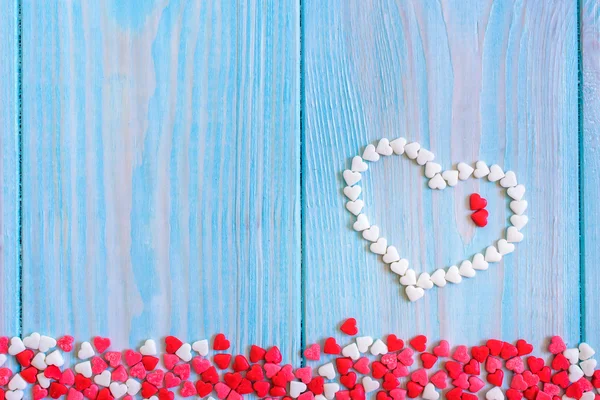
pixel 391 255
pixel 432 168
pixel 84 368
pixel 327 371
pixel 464 171
pixel 103 379
pixel 398 145
pixel 379 348
pixel 481 170
pixel 429 393
pixel 379 247
pixel 351 351
pixel 201 347
pixel 466 269
pixel 492 255
pixel 399 267
pixel 32 341
pixel 355 207
pixel 414 293
pixel 156 398
pixel 572 355
pixel 296 389
pixel 424 281
pixel 330 389
pixel 358 165
pixel 371 234
pixel 369 384
pixel 149 348
pixel 184 352
pixel 516 192
pixel 55 358
pixel 384 148
pixel 46 343
pixel 118 390
pixel 133 386
pixel 320 397
pixel 504 247
pixel 513 235
pixel 370 154
pixel 453 275
pixel 363 343
pixel 450 176
pixel 494 393
pixel 439 277
pixel 509 180
pixel 43 381
pixel 588 366
pixel 496 173
pixel 518 207
pixel 588 396
pixel 585 351
pixel 437 182
pixel 519 221
pixel 14 395
pixel 352 192
pixel 409 278
pixel 575 373
pixel 425 156
pixel 39 361
pixel 479 262
pixel 16 346
pixel 2 359
pixel 85 351
pixel 17 383
pixel 362 223
pixel 351 177
pixel 412 150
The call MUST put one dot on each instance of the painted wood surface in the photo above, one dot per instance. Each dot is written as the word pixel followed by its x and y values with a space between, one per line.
pixel 161 170
pixel 590 124
pixel 9 271
pixel 162 185
pixel 469 80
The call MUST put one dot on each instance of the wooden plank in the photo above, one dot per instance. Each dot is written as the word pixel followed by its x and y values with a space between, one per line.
pixel 469 80
pixel 162 163
pixel 590 166
pixel 9 175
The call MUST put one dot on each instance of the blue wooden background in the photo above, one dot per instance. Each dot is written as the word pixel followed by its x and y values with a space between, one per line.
pixel 175 166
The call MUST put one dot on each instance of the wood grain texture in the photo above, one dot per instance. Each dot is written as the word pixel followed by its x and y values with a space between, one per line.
pixel 470 80
pixel 9 178
pixel 590 62
pixel 161 184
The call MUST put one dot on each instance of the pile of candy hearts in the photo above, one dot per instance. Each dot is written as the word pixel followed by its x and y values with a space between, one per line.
pixel 363 366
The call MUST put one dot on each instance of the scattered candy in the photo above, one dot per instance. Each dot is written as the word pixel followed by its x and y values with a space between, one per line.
pixel 438 179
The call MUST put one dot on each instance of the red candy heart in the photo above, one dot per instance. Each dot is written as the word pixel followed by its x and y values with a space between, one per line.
pixel 172 344
pixel 240 363
pixel 394 344
pixel 557 345
pixel 349 327
pixel 331 346
pixel 261 388
pixel 524 348
pixel 362 366
pixel 419 342
pixel 428 360
pixel 495 346
pixel 222 360
pixel 512 394
pixel 508 351
pixel 480 217
pixel 65 343
pixel 313 352
pixel 480 353
pixel 496 377
pixel 203 389
pixel 101 344
pixel 255 373
pixel 439 380
pixel 24 358
pixel 316 385
pixel 257 353
pixel 273 355
pixel 348 380
pixel 472 367
pixel 476 202
pixel 57 390
pixel 535 364
pixel 343 364
pixel 442 349
pixel 221 343
pixel 414 389
pixel 149 362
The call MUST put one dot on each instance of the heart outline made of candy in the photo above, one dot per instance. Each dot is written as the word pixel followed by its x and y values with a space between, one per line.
pixel 415 287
